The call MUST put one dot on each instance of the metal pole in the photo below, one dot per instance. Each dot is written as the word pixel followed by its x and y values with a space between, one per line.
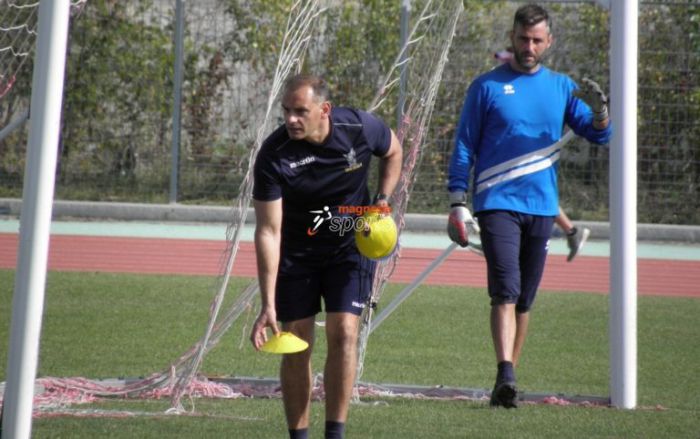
pixel 177 98
pixel 403 295
pixel 405 18
pixel 14 124
pixel 37 201
pixel 623 205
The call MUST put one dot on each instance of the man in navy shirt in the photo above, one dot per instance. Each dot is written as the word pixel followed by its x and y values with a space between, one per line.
pixel 310 182
pixel 509 132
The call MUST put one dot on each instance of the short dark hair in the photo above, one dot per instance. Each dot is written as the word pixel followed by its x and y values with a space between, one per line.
pixel 317 84
pixel 530 15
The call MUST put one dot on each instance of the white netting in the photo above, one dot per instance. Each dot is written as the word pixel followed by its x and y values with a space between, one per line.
pixel 421 61
pixel 18 31
pixel 180 379
pixel 17 35
pixel 294 46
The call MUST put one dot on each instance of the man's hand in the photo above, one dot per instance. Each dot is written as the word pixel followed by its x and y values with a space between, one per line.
pixel 266 318
pixel 591 93
pixel 381 203
pixel 460 221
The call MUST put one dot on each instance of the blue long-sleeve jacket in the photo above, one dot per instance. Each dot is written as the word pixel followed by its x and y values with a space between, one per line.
pixel 508 130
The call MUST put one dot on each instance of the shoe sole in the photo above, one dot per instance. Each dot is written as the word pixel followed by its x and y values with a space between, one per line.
pixel 505 395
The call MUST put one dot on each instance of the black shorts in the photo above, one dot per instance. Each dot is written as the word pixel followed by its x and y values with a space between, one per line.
pixel 515 247
pixel 344 281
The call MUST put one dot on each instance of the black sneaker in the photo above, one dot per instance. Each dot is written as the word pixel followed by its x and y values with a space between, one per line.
pixel 505 394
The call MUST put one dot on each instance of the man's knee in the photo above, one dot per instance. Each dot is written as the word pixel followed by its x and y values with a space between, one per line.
pixel 304 329
pixel 525 301
pixel 341 331
pixel 297 360
pixel 523 308
pixel 503 299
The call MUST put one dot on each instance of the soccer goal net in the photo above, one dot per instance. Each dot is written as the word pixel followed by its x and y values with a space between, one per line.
pixel 418 88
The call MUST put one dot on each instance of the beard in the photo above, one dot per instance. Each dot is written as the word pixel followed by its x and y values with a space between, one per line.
pixel 528 61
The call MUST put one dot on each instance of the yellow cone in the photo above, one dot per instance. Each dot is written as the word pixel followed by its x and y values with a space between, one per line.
pixel 377 239
pixel 284 343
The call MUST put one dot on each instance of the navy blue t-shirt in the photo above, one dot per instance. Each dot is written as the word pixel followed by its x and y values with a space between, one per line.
pixel 317 183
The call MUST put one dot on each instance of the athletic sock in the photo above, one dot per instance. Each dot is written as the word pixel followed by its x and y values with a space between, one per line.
pixel 572 232
pixel 300 433
pixel 335 430
pixel 505 372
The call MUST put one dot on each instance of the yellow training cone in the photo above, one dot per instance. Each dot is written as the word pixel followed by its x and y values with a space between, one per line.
pixel 284 343
pixel 376 235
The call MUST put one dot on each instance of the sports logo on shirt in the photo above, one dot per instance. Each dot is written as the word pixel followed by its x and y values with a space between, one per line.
pixel 351 157
pixel 321 216
pixel 509 89
pixel 351 218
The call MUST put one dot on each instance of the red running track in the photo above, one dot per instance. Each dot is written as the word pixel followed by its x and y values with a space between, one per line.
pixel 203 257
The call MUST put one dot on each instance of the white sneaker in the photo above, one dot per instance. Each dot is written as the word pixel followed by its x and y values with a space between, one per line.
pixel 576 241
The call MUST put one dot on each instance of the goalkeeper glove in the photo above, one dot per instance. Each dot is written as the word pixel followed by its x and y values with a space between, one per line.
pixel 460 221
pixel 591 93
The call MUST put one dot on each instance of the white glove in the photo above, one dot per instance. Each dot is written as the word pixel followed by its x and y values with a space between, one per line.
pixel 591 93
pixel 460 221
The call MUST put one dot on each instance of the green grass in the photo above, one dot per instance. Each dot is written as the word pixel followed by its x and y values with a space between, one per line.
pixel 106 325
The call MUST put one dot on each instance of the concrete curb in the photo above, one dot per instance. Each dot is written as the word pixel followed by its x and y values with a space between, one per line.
pixel 416 222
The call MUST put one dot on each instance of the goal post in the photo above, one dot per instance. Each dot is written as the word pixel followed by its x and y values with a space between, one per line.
pixel 623 205
pixel 37 200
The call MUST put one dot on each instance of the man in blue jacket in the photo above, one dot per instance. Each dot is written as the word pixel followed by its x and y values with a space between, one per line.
pixel 507 143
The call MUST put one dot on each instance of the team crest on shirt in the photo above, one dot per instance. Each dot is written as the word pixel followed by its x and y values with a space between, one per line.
pixel 509 89
pixel 353 164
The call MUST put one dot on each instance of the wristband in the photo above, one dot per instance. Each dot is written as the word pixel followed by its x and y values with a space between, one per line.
pixel 457 198
pixel 380 197
pixel 601 115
